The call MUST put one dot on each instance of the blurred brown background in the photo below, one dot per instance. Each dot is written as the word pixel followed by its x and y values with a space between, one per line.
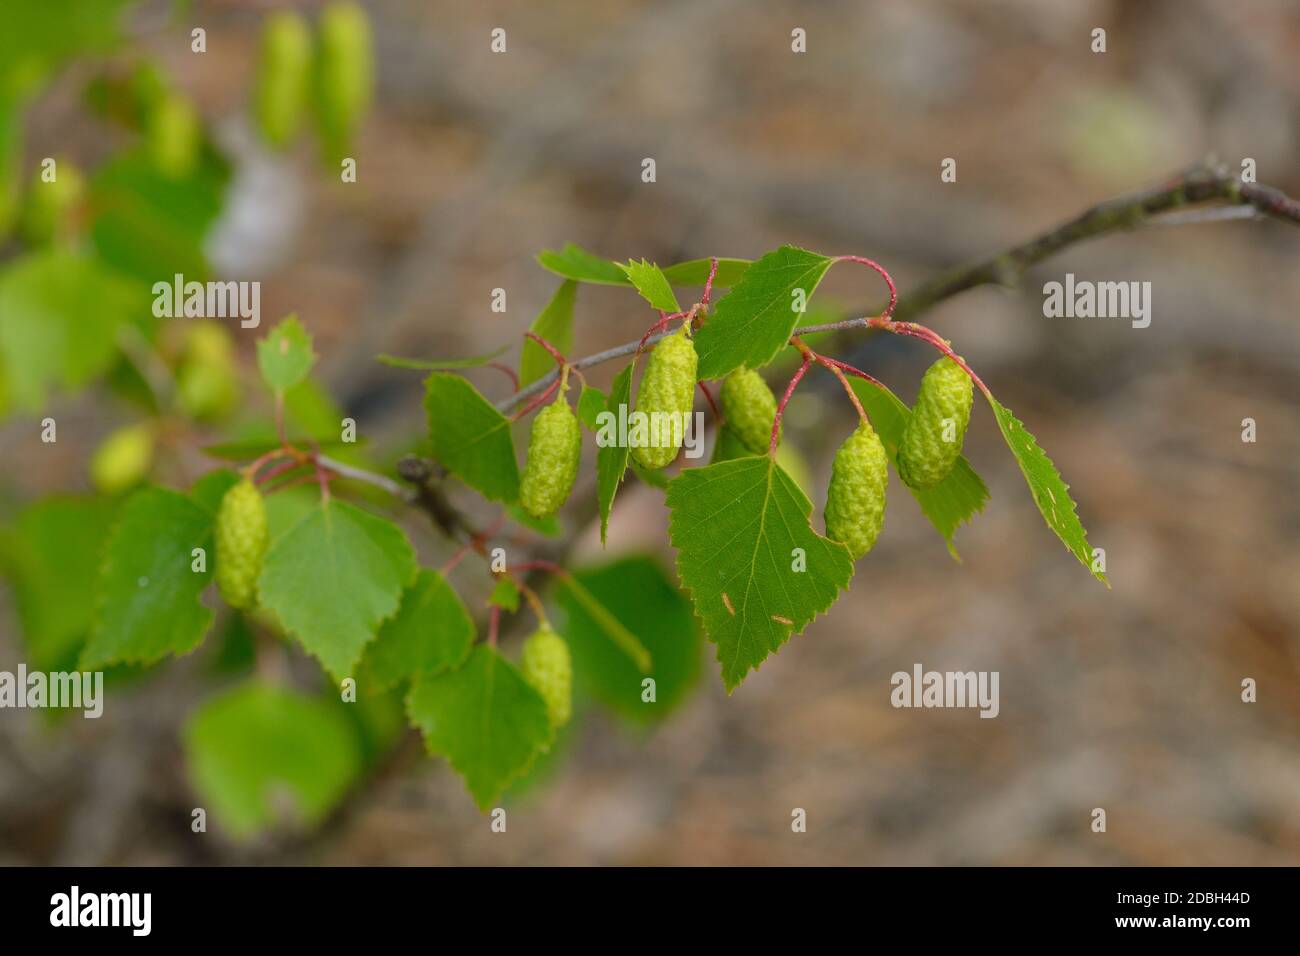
pixel 1126 699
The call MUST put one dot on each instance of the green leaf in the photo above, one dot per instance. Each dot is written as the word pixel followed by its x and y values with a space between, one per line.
pixel 638 594
pixel 611 457
pixel 505 595
pixel 949 504
pixel 253 746
pixel 555 324
pixel 39 37
pixel 1051 494
pixel 59 317
pixel 753 322
pixel 696 272
pixel 591 402
pixel 651 283
pixel 52 558
pixel 333 577
pixel 574 262
pixel 432 365
pixel 736 526
pixel 484 718
pixel 470 437
pixel 616 633
pixel 148 597
pixel 285 356
pixel 154 227
pixel 431 632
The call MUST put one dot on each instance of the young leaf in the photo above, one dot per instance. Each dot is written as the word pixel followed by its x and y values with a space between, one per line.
pixel 254 744
pixel 949 504
pixel 285 355
pixel 611 457
pixel 696 272
pixel 555 324
pixel 754 320
pixel 433 365
pixel 736 526
pixel 1051 494
pixel 484 718
pixel 505 595
pixel 639 595
pixel 574 262
pixel 652 285
pixel 470 437
pixel 148 595
pixel 431 632
pixel 333 577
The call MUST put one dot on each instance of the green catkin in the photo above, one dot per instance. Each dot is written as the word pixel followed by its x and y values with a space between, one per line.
pixel 283 77
pixel 207 386
pixel 666 398
pixel 174 136
pixel 242 537
pixel 48 213
pixel 855 500
pixel 344 75
pixel 554 450
pixel 548 668
pixel 749 408
pixel 124 458
pixel 924 458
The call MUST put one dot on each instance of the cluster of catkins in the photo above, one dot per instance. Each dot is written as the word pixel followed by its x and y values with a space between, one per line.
pixel 855 500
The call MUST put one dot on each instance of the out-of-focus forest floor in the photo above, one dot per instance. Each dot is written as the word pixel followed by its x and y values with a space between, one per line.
pixel 1127 699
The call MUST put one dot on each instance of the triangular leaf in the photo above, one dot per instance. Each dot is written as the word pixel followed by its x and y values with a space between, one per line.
pixel 484 718
pixel 333 577
pixel 754 320
pixel 505 595
pixel 253 745
pixel 736 525
pixel 285 356
pixel 431 632
pixel 148 597
pixel 651 283
pixel 555 324
pixel 949 504
pixel 1050 492
pixel 470 437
